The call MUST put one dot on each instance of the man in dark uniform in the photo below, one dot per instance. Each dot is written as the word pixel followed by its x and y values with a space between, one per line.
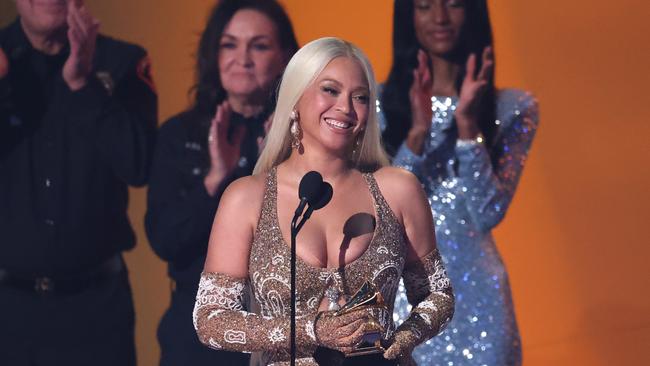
pixel 77 125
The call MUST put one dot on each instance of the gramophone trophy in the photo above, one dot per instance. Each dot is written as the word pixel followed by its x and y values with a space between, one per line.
pixel 370 342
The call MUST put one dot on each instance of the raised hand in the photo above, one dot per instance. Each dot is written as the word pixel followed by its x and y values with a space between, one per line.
pixel 420 98
pixel 420 93
pixel 4 64
pixel 471 93
pixel 224 153
pixel 82 35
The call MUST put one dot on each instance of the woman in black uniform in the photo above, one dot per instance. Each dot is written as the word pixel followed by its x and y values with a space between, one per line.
pixel 242 53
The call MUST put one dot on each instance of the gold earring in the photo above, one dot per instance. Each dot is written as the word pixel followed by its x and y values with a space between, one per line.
pixel 356 150
pixel 295 130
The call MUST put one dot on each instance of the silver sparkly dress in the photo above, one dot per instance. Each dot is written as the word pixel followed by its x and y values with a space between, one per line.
pixel 469 196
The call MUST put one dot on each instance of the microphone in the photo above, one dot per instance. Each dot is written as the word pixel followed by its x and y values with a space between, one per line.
pixel 309 190
pixel 324 198
pixel 314 193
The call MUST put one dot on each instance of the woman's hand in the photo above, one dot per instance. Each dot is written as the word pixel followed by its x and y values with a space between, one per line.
pixel 341 332
pixel 420 98
pixel 400 348
pixel 471 94
pixel 224 154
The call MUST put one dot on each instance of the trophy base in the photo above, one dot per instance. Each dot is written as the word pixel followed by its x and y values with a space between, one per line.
pixel 366 351
pixel 370 344
pixel 329 357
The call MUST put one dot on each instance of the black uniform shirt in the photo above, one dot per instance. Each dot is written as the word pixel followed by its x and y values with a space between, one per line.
pixel 66 157
pixel 179 209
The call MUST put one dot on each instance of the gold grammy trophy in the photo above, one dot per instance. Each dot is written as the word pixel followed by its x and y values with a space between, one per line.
pixel 370 342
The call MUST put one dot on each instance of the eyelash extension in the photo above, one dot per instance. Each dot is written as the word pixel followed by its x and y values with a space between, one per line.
pixel 362 98
pixel 329 90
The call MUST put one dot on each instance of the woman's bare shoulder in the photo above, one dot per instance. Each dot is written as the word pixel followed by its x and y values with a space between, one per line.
pixel 397 180
pixel 398 186
pixel 245 193
pixel 234 225
pixel 248 184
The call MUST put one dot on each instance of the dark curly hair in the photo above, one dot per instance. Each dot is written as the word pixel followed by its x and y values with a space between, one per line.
pixel 475 36
pixel 208 90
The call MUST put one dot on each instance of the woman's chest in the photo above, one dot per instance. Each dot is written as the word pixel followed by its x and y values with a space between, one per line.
pixel 381 264
pixel 335 235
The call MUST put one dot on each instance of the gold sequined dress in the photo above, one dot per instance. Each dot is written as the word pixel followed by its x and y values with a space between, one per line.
pixel 221 322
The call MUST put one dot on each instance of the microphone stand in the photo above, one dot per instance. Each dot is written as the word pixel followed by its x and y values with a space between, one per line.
pixel 295 228
pixel 314 201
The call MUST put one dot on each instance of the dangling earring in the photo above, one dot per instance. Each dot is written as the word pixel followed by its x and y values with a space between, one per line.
pixel 295 130
pixel 356 149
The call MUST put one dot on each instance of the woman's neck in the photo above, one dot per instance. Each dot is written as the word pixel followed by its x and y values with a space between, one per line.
pixel 333 168
pixel 247 106
pixel 444 74
pixel 47 43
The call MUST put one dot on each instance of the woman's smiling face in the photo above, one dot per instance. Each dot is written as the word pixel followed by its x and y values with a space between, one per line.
pixel 439 24
pixel 250 57
pixel 334 109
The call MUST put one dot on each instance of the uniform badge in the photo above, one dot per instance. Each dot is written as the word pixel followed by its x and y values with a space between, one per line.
pixel 144 72
pixel 106 80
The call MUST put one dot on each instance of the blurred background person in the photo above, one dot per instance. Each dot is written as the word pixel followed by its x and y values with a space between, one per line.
pixel 241 54
pixel 467 142
pixel 77 126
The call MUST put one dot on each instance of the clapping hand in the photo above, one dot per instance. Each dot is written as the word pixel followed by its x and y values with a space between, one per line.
pixel 420 99
pixel 420 94
pixel 471 93
pixel 82 35
pixel 224 152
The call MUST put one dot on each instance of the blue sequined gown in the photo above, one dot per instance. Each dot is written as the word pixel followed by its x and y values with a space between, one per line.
pixel 469 196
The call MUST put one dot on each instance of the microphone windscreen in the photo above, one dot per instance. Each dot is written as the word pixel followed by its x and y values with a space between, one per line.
pixel 324 197
pixel 310 186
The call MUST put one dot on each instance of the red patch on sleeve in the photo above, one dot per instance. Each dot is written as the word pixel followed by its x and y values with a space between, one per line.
pixel 144 72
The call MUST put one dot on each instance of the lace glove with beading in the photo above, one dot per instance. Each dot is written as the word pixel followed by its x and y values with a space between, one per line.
pixel 222 323
pixel 429 290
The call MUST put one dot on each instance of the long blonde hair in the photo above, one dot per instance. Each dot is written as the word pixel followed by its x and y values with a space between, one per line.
pixel 303 68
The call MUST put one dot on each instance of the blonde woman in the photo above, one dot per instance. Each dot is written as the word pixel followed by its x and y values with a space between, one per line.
pixel 325 120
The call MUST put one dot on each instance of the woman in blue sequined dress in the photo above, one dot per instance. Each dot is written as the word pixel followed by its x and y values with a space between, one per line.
pixel 467 142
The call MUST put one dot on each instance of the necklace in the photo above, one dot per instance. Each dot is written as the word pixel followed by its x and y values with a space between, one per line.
pixel 333 292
